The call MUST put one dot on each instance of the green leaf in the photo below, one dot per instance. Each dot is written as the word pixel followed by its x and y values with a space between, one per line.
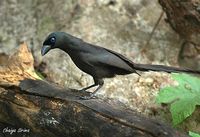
pixel 183 79
pixel 182 109
pixel 192 134
pixel 182 98
pixel 39 75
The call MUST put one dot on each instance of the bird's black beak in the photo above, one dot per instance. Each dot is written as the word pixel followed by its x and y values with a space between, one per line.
pixel 45 49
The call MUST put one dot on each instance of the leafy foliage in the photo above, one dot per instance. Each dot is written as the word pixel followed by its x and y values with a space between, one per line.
pixel 182 98
pixel 192 134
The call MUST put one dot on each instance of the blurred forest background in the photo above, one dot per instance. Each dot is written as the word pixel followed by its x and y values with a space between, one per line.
pixel 124 26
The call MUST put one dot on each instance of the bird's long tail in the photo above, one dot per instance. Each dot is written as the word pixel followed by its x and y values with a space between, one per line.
pixel 148 67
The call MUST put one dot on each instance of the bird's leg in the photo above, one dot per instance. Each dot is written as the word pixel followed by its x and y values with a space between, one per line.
pixel 99 82
pixel 86 88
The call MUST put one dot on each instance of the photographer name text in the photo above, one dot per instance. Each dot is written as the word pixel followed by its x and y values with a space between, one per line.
pixel 14 130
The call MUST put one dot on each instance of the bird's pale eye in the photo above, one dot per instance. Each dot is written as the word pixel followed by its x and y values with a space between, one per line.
pixel 53 40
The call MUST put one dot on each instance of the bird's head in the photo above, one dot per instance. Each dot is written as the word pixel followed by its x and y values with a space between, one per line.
pixel 53 40
pixel 61 40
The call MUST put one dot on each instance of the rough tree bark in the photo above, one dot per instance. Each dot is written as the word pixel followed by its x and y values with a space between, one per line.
pixel 184 18
pixel 33 107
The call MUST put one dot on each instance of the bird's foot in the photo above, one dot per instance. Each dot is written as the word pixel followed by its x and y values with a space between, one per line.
pixel 82 90
pixel 92 96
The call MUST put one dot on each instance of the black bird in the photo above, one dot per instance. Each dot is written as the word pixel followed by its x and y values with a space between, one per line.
pixel 97 61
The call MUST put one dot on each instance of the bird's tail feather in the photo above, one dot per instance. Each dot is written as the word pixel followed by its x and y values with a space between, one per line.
pixel 148 67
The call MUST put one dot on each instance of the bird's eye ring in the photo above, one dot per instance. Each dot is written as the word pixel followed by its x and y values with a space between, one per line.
pixel 53 40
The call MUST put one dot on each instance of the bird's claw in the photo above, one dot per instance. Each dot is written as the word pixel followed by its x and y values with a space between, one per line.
pixel 82 90
pixel 88 97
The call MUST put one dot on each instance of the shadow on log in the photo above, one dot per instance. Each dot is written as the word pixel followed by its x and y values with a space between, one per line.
pixel 31 107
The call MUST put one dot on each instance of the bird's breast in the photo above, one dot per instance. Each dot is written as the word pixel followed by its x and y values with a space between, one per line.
pixel 82 61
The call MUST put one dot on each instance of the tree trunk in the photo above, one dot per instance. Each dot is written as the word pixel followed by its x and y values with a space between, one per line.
pixel 184 18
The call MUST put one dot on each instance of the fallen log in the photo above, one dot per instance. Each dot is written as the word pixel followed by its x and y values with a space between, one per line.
pixel 33 107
